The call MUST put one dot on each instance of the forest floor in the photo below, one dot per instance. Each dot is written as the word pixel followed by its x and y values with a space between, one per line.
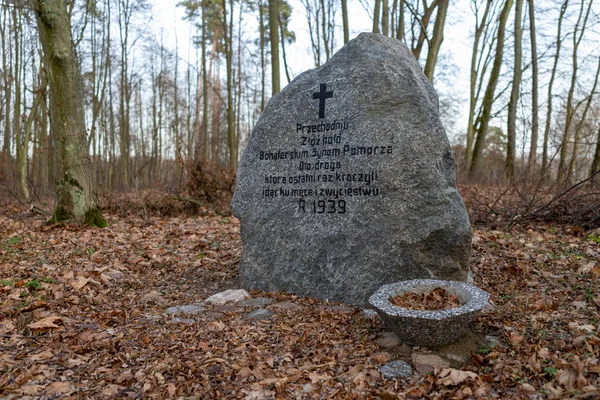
pixel 82 315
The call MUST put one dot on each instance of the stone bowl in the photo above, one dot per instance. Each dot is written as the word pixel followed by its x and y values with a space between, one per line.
pixel 429 328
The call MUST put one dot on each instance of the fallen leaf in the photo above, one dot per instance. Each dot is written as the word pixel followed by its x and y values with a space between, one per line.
pixel 59 389
pixel 31 390
pixel 451 376
pixel 515 338
pixel 44 355
pixel 46 323
pixel 79 283
pixel 171 390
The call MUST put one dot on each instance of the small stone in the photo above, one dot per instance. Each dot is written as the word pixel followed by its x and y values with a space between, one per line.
pixel 426 363
pixel 396 369
pixel 186 309
pixel 256 302
pixel 178 320
pixel 285 306
pixel 154 296
pixel 261 313
pixel 115 274
pixel 388 339
pixel 234 295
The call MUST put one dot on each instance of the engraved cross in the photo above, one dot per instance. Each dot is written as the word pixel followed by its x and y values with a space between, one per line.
pixel 322 95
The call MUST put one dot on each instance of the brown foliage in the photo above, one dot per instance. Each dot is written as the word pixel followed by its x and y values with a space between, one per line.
pixel 212 184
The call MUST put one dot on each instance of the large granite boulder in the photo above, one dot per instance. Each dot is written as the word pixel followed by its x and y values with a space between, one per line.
pixel 348 181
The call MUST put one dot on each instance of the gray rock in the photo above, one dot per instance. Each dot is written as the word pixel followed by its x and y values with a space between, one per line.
pixel 256 302
pixel 429 328
pixel 348 181
pixel 234 295
pixel 261 313
pixel 396 369
pixel 185 309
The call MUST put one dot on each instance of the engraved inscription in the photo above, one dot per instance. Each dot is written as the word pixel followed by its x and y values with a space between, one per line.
pixel 331 164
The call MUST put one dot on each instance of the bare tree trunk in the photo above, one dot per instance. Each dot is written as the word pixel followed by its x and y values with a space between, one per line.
pixel 511 130
pixel 563 9
pixel 6 66
pixel 570 111
pixel 582 124
pixel 345 21
pixel 22 153
pixel 231 137
pixel 534 91
pixel 76 197
pixel 376 13
pixel 204 86
pixel 263 72
pixel 488 98
pixel 274 30
pixel 400 29
pixel 436 39
pixel 385 17
pixel 476 58
pixel 285 63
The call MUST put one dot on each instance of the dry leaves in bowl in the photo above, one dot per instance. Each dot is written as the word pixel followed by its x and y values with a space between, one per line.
pixel 433 300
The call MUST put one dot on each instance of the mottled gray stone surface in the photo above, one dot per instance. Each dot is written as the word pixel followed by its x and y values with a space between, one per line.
pixel 396 369
pixel 261 313
pixel 256 302
pixel 366 199
pixel 185 309
pixel 429 328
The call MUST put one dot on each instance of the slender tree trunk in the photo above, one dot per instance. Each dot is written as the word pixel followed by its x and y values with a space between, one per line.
pixel 76 197
pixel 263 71
pixel 475 70
pixel 6 66
pixel 231 137
pixel 204 86
pixel 488 98
pixel 284 56
pixel 385 17
pixel 400 29
pixel 345 21
pixel 376 13
pixel 511 130
pixel 563 9
pixel 274 30
pixel 581 125
pixel 436 39
pixel 570 111
pixel 534 91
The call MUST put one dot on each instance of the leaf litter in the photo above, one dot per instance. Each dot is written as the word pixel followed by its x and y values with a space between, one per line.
pixel 82 316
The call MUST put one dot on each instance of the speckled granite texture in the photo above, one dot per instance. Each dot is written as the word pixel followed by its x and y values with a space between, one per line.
pixel 348 181
pixel 429 328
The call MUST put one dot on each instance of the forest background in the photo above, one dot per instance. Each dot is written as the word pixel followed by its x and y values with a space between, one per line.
pixel 165 113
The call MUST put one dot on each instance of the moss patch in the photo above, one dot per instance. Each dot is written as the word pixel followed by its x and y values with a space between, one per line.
pixel 61 214
pixel 95 218
pixel 92 217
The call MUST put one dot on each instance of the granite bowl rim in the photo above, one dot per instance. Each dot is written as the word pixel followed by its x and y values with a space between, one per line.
pixel 478 299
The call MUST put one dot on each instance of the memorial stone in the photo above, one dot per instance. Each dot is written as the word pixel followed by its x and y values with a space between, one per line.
pixel 348 181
